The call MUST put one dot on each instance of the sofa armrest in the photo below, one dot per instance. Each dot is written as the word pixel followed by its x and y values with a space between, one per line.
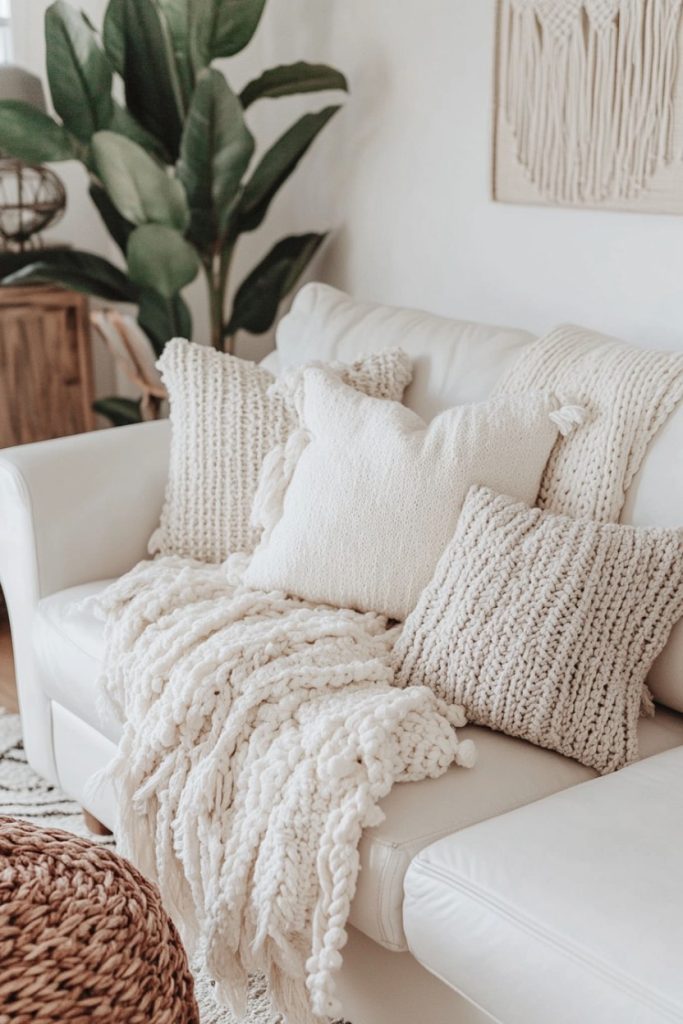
pixel 72 510
pixel 81 508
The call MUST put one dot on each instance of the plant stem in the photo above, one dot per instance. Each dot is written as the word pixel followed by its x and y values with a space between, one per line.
pixel 215 302
pixel 224 276
pixel 217 271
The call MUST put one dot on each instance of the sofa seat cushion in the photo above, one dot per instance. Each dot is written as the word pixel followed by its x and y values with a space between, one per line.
pixel 509 772
pixel 68 641
pixel 569 909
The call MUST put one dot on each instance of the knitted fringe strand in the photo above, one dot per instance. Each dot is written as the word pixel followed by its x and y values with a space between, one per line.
pixel 588 90
pixel 260 734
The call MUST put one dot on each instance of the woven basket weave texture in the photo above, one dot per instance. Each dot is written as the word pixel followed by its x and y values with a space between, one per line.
pixel 84 937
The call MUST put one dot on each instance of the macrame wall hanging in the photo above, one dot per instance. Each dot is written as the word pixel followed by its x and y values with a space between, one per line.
pixel 590 103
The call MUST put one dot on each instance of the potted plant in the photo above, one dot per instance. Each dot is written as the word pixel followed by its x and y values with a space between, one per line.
pixel 171 168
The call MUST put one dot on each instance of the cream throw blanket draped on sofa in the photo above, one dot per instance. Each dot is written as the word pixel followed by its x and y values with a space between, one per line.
pixel 260 733
pixel 628 393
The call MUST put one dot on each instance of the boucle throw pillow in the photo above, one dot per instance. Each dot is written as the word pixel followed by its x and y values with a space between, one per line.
pixel 359 505
pixel 545 627
pixel 226 413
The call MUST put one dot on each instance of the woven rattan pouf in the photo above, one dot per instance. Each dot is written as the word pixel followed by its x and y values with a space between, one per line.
pixel 83 936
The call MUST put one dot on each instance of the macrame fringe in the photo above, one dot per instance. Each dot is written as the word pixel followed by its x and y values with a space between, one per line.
pixel 588 91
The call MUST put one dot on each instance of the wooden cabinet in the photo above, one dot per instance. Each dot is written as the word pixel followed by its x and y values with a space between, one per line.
pixel 45 364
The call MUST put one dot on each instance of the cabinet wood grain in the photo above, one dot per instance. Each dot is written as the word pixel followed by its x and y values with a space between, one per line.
pixel 45 365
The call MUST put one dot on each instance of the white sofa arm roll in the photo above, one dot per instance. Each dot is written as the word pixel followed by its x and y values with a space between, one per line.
pixel 72 510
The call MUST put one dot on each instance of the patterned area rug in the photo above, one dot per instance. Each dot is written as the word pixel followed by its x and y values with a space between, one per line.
pixel 23 794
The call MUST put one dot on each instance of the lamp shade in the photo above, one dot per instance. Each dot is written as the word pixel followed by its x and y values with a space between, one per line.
pixel 18 84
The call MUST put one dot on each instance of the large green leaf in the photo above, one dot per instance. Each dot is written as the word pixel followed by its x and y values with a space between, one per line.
pixel 29 134
pixel 10 262
pixel 118 227
pixel 139 44
pixel 162 319
pixel 78 71
pixel 276 166
pixel 177 15
pixel 122 412
pixel 113 35
pixel 215 152
pixel 258 297
pixel 123 123
pixel 221 28
pixel 288 79
pixel 81 271
pixel 142 191
pixel 159 258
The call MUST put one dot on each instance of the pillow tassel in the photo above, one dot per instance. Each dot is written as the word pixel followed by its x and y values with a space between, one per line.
pixel 276 473
pixel 567 417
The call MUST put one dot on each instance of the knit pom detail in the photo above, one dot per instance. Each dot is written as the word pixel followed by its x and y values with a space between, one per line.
pixel 568 417
pixel 466 755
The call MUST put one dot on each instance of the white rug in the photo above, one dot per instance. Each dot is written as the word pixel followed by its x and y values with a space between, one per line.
pixel 23 794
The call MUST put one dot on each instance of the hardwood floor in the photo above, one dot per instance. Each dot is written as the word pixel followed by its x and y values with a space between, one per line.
pixel 8 691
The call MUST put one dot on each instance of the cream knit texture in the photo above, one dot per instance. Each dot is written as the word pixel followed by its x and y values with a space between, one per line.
pixel 545 627
pixel 359 505
pixel 225 416
pixel 259 734
pixel 629 394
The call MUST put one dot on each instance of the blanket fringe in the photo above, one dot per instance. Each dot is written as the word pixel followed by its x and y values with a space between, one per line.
pixel 260 734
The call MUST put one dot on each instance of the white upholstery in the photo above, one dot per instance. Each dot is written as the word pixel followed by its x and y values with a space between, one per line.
pixel 68 642
pixel 81 509
pixel 78 747
pixel 376 986
pixel 72 510
pixel 454 361
pixel 655 498
pixel 569 910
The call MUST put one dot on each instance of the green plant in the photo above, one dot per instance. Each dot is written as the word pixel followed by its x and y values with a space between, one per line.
pixel 170 168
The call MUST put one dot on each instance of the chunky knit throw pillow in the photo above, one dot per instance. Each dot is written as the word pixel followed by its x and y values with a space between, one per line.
pixel 545 627
pixel 359 505
pixel 226 413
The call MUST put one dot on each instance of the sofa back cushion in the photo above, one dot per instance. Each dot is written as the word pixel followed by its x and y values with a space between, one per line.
pixel 456 362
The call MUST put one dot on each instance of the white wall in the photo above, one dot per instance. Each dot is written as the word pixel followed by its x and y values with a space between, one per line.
pixel 404 175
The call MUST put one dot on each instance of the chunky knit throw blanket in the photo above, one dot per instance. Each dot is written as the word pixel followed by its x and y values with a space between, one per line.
pixel 628 393
pixel 260 733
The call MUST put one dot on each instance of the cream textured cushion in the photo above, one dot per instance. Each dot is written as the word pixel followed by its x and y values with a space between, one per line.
pixel 545 627
pixel 375 492
pixel 226 413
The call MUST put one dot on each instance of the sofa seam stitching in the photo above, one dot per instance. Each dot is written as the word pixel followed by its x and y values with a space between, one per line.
pixel 537 930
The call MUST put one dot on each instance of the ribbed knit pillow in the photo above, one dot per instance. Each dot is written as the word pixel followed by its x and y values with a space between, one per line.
pixel 359 505
pixel 226 414
pixel 545 627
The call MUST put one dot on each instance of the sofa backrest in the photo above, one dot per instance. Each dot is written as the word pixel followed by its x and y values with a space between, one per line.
pixel 454 362
pixel 457 362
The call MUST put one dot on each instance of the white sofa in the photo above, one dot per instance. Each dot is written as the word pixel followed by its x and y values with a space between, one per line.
pixel 523 890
